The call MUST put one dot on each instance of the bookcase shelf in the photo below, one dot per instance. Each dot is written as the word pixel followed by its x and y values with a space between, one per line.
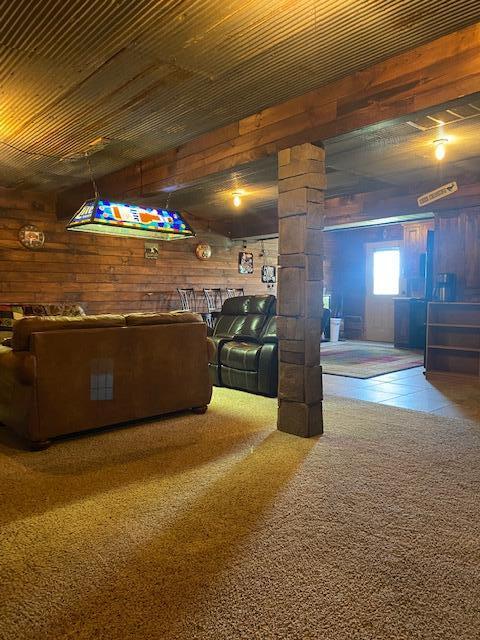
pixel 455 326
pixel 453 339
pixel 453 348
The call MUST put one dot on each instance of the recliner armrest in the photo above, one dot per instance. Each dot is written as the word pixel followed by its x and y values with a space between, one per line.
pixel 268 369
pixel 238 337
pixel 215 347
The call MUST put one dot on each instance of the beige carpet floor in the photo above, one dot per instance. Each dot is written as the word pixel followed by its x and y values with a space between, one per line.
pixel 219 527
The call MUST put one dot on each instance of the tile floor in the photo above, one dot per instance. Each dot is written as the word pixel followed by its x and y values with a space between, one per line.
pixel 410 389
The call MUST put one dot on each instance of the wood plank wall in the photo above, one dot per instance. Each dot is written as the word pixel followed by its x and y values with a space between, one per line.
pixel 107 274
pixel 457 250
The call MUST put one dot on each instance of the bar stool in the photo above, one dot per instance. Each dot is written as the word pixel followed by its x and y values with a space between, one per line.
pixel 233 293
pixel 213 299
pixel 187 299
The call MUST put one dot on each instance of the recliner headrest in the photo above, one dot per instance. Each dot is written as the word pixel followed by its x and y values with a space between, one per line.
pixel 244 305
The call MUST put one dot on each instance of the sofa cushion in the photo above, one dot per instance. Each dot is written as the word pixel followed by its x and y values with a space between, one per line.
pixel 243 305
pixel 248 325
pixel 24 328
pixel 244 316
pixel 9 314
pixel 134 319
pixel 241 355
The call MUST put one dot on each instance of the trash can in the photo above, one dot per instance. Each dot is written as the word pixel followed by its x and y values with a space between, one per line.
pixel 335 329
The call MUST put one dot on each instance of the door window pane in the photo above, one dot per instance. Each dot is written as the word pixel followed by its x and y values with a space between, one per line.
pixel 386 272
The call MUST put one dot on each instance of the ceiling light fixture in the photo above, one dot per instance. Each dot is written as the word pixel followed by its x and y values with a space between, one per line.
pixel 129 220
pixel 440 148
pixel 114 218
pixel 237 198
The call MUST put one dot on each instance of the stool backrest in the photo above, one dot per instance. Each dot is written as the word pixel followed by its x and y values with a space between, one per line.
pixel 233 293
pixel 187 299
pixel 213 298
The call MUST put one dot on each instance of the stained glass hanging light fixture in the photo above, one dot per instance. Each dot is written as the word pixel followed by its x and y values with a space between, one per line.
pixel 109 217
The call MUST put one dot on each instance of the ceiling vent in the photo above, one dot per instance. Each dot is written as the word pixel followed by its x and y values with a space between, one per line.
pixel 447 116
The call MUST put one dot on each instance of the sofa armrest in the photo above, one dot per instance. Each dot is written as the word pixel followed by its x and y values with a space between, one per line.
pixel 269 340
pixel 16 367
pixel 268 369
pixel 17 392
pixel 211 349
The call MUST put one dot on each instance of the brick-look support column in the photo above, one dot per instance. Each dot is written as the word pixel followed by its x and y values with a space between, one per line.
pixel 301 187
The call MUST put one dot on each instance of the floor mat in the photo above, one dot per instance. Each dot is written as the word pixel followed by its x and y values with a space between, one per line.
pixel 360 359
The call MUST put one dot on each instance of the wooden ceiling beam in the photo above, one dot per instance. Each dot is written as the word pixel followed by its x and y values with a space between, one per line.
pixel 399 201
pixel 440 71
pixel 362 207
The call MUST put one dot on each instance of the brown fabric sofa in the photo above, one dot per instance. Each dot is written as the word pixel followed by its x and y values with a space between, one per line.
pixel 12 312
pixel 69 374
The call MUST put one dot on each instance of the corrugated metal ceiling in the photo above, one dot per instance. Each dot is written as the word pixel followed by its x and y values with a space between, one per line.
pixel 382 156
pixel 150 75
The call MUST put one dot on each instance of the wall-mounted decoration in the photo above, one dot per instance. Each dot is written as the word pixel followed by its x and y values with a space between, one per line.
pixel 245 262
pixel 269 274
pixel 203 251
pixel 31 237
pixel 151 251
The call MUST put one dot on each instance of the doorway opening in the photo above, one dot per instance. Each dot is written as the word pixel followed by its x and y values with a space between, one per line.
pixel 376 282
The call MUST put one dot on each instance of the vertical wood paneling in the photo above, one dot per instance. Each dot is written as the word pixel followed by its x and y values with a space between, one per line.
pixel 414 244
pixel 109 274
pixel 457 250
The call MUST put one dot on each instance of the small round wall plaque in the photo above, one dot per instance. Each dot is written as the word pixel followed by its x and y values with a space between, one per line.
pixel 203 251
pixel 31 237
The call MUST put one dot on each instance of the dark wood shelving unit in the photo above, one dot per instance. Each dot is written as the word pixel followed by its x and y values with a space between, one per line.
pixel 453 339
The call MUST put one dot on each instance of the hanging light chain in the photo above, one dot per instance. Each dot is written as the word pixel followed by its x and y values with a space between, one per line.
pixel 168 200
pixel 92 177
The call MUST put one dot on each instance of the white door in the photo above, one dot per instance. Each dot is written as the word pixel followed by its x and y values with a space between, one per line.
pixel 382 286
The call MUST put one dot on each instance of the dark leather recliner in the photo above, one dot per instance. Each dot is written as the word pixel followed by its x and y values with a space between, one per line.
pixel 245 345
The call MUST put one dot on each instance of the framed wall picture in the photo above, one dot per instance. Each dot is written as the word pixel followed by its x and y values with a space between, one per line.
pixel 245 262
pixel 151 251
pixel 203 251
pixel 269 274
pixel 31 237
